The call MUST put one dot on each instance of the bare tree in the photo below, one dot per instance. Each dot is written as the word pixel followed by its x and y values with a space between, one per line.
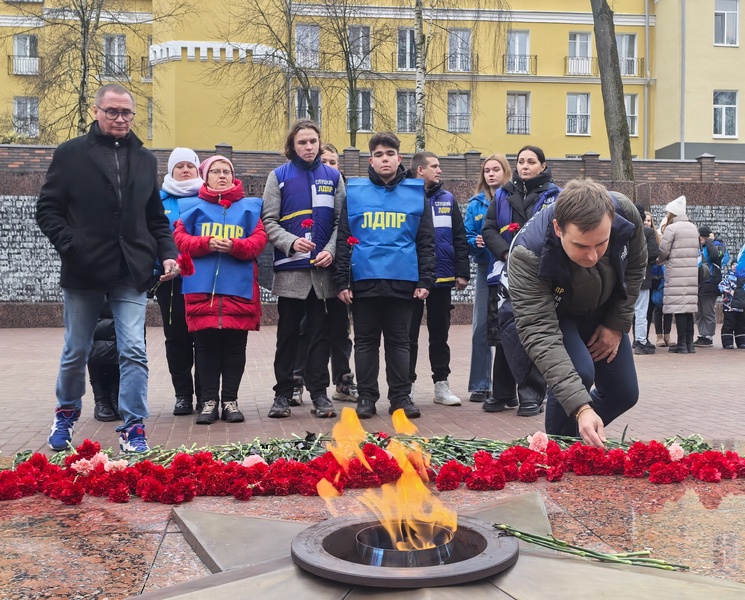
pixel 431 38
pixel 611 84
pixel 83 48
pixel 356 45
pixel 277 64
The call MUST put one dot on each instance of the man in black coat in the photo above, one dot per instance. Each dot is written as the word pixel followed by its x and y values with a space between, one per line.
pixel 101 209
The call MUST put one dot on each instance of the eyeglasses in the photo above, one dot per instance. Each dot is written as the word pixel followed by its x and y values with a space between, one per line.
pixel 226 172
pixel 113 115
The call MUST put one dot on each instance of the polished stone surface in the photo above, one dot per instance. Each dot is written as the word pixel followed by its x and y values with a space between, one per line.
pixel 537 574
pixel 99 550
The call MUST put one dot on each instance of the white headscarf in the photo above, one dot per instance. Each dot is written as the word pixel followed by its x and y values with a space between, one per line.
pixel 182 189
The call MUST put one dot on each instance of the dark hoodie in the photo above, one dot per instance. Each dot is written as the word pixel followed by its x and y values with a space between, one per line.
pixel 391 288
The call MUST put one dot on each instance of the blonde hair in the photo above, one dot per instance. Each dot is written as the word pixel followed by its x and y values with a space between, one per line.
pixel 482 185
pixel 654 228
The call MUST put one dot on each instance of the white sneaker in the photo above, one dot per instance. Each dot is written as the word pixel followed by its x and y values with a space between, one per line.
pixel 443 395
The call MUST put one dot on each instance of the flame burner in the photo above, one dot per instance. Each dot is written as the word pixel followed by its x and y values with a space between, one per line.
pixel 348 550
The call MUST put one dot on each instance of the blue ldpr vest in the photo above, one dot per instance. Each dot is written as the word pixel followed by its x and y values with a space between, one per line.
pixel 386 222
pixel 504 218
pixel 170 207
pixel 305 195
pixel 443 204
pixel 202 218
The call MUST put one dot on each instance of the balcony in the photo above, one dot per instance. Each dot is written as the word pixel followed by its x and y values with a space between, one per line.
pixel 578 124
pixel 518 124
pixel 146 69
pixel 462 63
pixel 459 122
pixel 116 66
pixel 631 67
pixel 520 64
pixel 24 65
pixel 581 65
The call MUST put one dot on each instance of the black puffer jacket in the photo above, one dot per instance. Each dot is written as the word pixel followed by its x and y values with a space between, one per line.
pixel 104 350
pixel 522 196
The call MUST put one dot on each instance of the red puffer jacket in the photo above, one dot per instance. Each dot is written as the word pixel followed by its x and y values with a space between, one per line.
pixel 224 312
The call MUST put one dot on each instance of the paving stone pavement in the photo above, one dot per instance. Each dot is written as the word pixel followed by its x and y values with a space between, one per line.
pixel 702 393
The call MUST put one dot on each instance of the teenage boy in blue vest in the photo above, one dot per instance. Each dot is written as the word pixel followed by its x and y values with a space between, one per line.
pixel 452 269
pixel 302 200
pixel 391 266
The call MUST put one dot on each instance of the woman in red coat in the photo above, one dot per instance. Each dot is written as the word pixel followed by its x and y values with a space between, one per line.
pixel 224 235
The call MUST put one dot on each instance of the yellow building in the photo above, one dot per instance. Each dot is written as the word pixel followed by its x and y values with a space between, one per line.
pixel 499 76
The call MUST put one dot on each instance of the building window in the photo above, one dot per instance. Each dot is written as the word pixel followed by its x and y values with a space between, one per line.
pixel 307 46
pixel 578 60
pixel 459 112
pixel 578 114
pixel 725 22
pixel 518 113
pixel 26 116
pixel 632 112
pixel 406 49
pixel 150 114
pixel 626 43
pixel 459 50
pixel 115 56
pixel 146 68
pixel 406 111
pixel 25 55
pixel 359 47
pixel 518 52
pixel 364 111
pixel 308 104
pixel 725 114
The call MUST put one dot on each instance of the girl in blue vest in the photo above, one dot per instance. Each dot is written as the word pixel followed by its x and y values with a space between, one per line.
pixel 223 233
pixel 181 181
pixel 495 172
pixel 530 190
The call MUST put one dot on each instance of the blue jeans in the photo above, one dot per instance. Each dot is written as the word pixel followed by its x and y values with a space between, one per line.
pixel 479 379
pixel 82 309
pixel 616 385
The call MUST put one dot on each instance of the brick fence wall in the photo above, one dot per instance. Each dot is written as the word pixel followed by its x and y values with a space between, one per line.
pixel 29 267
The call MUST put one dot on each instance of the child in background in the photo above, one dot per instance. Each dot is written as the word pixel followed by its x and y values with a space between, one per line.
pixel 732 288
pixel 103 368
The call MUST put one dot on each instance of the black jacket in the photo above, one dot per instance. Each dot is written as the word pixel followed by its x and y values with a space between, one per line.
pixel 710 287
pixel 653 251
pixel 103 222
pixel 104 350
pixel 522 196
pixel 391 288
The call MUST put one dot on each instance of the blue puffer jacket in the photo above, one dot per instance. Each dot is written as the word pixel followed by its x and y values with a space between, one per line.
pixel 474 221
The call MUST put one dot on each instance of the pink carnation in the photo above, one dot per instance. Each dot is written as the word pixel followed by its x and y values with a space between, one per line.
pixel 252 460
pixel 538 442
pixel 99 459
pixel 116 465
pixel 676 451
pixel 82 466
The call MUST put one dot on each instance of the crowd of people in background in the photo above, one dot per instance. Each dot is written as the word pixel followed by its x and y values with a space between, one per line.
pixel 561 277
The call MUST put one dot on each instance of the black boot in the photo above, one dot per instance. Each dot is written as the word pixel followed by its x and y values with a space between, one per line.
pixel 184 405
pixel 102 410
pixel 114 400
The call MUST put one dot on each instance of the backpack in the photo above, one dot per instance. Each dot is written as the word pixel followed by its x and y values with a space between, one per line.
pixel 715 270
pixel 704 267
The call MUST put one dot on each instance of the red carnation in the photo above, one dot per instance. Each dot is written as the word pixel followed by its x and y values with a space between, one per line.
pixel 352 241
pixel 69 492
pixel 119 493
pixel 185 264
pixel 307 224
pixel 513 227
pixel 226 204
